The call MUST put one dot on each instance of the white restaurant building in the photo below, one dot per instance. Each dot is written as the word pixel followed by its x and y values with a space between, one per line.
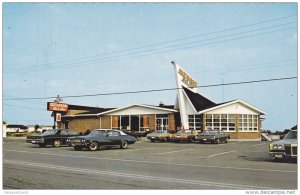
pixel 191 111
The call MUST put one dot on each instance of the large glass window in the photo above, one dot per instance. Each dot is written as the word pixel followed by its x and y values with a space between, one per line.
pixel 248 122
pixel 144 123
pixel 225 122
pixel 195 122
pixel 125 123
pixel 162 122
pixel 115 122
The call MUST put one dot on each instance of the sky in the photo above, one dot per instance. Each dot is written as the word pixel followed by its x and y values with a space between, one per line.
pixel 72 49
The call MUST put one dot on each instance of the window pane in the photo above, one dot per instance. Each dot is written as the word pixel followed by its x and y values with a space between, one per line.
pixel 208 116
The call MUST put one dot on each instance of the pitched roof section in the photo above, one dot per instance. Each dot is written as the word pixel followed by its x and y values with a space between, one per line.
pixel 199 102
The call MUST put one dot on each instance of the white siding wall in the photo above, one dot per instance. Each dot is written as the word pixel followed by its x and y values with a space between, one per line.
pixel 236 108
pixel 138 110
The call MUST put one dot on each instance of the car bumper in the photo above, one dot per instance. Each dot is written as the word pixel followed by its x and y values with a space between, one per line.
pixel 206 139
pixel 84 144
pixel 155 138
pixel 282 155
pixel 35 141
pixel 179 139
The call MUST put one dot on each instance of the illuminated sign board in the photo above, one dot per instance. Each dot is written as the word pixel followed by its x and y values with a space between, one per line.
pixel 57 107
pixel 186 79
pixel 58 117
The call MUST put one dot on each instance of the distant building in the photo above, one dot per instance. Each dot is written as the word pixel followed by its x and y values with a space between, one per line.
pixel 31 128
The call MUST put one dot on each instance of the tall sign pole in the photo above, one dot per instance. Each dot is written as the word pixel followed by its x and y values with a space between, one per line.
pixel 56 107
pixel 183 79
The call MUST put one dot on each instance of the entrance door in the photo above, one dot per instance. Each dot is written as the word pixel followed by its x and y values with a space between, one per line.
pixel 134 122
pixel 162 122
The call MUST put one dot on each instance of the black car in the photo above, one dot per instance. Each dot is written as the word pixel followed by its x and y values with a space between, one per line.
pixel 54 137
pixel 212 136
pixel 100 138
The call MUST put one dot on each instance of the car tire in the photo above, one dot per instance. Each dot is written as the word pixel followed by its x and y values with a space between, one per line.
pixel 152 140
pixel 78 148
pixel 226 140
pixel 56 143
pixel 123 144
pixel 201 142
pixel 93 146
pixel 164 139
pixel 217 141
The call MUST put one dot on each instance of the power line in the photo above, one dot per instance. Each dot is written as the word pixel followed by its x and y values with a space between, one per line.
pixel 85 63
pixel 157 90
pixel 26 101
pixel 151 45
pixel 30 108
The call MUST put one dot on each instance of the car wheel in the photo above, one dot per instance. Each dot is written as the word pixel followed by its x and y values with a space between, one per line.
pixel 201 142
pixel 78 148
pixel 217 141
pixel 93 146
pixel 152 140
pixel 226 140
pixel 165 139
pixel 56 143
pixel 124 144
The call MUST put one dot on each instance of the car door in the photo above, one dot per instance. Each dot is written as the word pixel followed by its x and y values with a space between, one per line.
pixel 64 134
pixel 114 137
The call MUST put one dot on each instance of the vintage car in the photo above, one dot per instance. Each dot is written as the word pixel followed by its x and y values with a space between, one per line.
pixel 212 136
pixel 159 135
pixel 184 135
pixel 285 149
pixel 100 138
pixel 136 134
pixel 54 137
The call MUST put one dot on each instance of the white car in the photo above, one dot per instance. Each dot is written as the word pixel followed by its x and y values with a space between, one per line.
pixel 286 148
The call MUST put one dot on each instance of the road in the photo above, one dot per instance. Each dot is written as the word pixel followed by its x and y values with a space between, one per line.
pixel 146 165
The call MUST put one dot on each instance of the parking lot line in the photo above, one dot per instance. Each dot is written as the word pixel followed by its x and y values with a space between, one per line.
pixel 135 176
pixel 259 144
pixel 175 151
pixel 152 162
pixel 218 154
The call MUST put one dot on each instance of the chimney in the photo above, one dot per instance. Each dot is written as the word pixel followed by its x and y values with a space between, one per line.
pixel 161 104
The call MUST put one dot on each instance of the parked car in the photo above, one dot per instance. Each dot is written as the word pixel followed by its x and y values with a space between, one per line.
pixel 54 137
pixel 184 135
pixel 136 134
pixel 213 136
pixel 100 138
pixel 160 135
pixel 286 148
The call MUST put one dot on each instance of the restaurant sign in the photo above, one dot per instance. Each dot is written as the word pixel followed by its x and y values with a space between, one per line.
pixel 186 79
pixel 57 107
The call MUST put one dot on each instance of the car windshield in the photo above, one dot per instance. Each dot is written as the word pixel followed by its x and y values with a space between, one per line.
pixel 184 131
pixel 50 132
pixel 97 132
pixel 291 135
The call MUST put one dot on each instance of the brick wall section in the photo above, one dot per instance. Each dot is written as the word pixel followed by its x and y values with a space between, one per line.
pixel 243 135
pixel 172 122
pixel 105 122
pixel 152 122
pixel 84 124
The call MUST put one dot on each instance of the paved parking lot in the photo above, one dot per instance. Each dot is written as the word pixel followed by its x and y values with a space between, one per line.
pixel 146 165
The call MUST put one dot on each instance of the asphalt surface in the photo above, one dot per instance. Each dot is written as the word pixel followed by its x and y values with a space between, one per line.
pixel 146 165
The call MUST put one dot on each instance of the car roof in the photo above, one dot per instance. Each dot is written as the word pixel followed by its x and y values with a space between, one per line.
pixel 121 132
